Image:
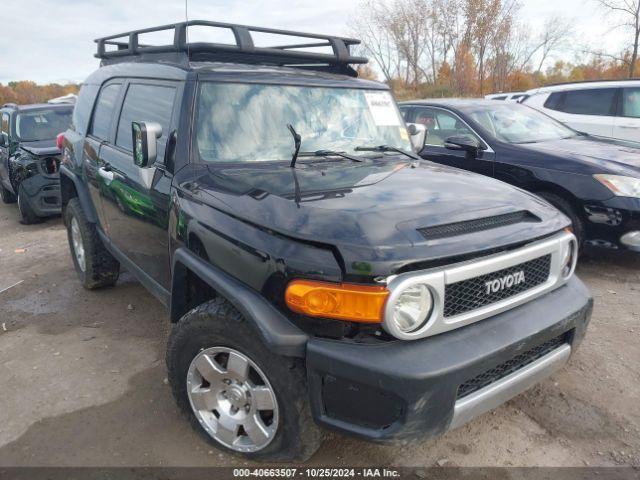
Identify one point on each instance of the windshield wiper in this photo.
(297, 141)
(387, 148)
(330, 153)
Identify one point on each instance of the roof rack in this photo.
(243, 50)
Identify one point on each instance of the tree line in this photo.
(441, 48)
(26, 91)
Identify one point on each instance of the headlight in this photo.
(412, 308)
(620, 185)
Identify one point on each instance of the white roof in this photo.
(583, 85)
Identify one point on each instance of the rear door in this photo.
(101, 130)
(627, 122)
(137, 201)
(442, 124)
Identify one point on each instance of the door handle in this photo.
(106, 174)
(629, 126)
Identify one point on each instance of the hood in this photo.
(601, 154)
(41, 147)
(376, 208)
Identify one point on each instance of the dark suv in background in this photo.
(317, 272)
(30, 159)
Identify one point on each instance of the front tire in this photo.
(94, 265)
(27, 215)
(237, 393)
(565, 207)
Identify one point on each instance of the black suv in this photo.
(317, 272)
(30, 159)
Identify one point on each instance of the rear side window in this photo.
(554, 101)
(5, 123)
(82, 109)
(597, 101)
(631, 102)
(146, 103)
(104, 111)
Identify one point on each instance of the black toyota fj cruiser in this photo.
(30, 159)
(316, 271)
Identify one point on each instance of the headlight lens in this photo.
(620, 185)
(412, 308)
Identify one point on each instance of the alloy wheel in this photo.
(232, 399)
(78, 246)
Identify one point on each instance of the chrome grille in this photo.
(469, 295)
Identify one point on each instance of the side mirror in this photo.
(145, 136)
(463, 142)
(417, 135)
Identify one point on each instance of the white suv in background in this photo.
(605, 108)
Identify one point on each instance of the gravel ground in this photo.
(83, 383)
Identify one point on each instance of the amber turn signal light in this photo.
(342, 301)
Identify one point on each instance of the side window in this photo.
(631, 102)
(596, 101)
(103, 113)
(146, 103)
(441, 125)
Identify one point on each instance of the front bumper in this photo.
(609, 222)
(43, 194)
(407, 389)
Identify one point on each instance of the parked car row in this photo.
(317, 272)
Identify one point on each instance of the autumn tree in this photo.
(627, 16)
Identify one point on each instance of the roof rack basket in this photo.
(125, 47)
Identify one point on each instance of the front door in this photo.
(137, 200)
(442, 124)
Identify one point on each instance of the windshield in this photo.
(46, 124)
(248, 122)
(515, 123)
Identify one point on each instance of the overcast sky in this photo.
(52, 40)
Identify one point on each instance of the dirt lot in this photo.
(82, 378)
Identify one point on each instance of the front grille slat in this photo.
(510, 366)
(471, 294)
(477, 225)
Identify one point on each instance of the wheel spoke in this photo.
(238, 366)
(209, 369)
(227, 429)
(203, 399)
(262, 398)
(256, 430)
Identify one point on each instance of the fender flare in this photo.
(276, 331)
(83, 193)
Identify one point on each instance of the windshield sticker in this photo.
(382, 109)
(404, 135)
